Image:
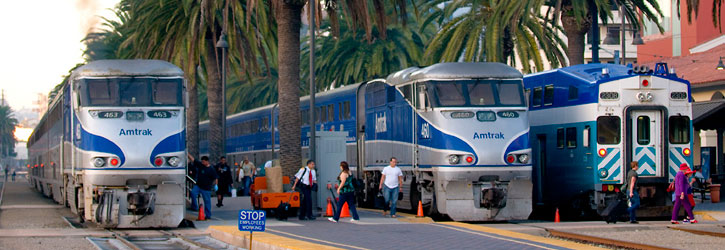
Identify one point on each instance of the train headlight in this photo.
(99, 162)
(173, 161)
(603, 173)
(158, 161)
(686, 152)
(453, 159)
(524, 158)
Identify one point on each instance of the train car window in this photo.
(609, 129)
(643, 127)
(407, 93)
(585, 136)
(481, 94)
(571, 137)
(265, 124)
(255, 126)
(509, 94)
(331, 112)
(536, 97)
(323, 113)
(560, 138)
(318, 117)
(573, 93)
(100, 92)
(305, 117)
(340, 112)
(450, 95)
(548, 94)
(347, 110)
(679, 129)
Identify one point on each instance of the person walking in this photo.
(390, 182)
(306, 176)
(14, 175)
(249, 172)
(346, 192)
(681, 187)
(225, 180)
(632, 193)
(206, 179)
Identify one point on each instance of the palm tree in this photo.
(575, 17)
(693, 6)
(496, 31)
(7, 131)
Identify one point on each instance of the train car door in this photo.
(539, 151)
(646, 143)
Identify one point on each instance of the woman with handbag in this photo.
(346, 192)
(681, 199)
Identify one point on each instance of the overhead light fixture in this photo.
(720, 65)
(637, 39)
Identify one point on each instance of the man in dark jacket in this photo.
(206, 179)
(225, 180)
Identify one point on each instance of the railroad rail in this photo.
(699, 232)
(123, 240)
(603, 241)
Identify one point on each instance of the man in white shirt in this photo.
(393, 179)
(307, 176)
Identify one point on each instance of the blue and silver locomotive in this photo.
(458, 130)
(112, 144)
(588, 122)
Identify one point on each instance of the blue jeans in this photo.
(635, 204)
(391, 197)
(350, 199)
(205, 195)
(246, 182)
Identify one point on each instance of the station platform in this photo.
(373, 231)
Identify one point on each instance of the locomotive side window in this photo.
(643, 130)
(509, 94)
(549, 94)
(100, 92)
(450, 95)
(609, 130)
(166, 92)
(679, 129)
(571, 137)
(560, 138)
(536, 97)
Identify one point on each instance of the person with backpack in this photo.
(681, 199)
(631, 191)
(346, 192)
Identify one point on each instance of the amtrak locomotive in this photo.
(458, 130)
(112, 144)
(588, 122)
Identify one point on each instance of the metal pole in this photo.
(595, 33)
(224, 102)
(313, 124)
(250, 239)
(624, 31)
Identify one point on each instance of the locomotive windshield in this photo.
(131, 92)
(476, 93)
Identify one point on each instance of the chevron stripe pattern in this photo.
(613, 165)
(646, 157)
(677, 158)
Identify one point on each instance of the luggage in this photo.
(614, 210)
(282, 211)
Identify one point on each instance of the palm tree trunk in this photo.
(288, 41)
(575, 33)
(214, 102)
(192, 119)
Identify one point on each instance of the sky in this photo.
(41, 41)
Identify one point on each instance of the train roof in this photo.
(456, 70)
(128, 67)
(592, 73)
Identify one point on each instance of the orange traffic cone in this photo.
(201, 213)
(329, 213)
(556, 216)
(345, 212)
(420, 209)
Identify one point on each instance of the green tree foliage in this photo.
(7, 131)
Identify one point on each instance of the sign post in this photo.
(252, 221)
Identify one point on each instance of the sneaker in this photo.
(393, 216)
(332, 220)
(693, 221)
(685, 221)
(354, 220)
(675, 222)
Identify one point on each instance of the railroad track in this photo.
(604, 241)
(156, 239)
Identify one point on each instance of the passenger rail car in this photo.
(588, 122)
(112, 144)
(458, 130)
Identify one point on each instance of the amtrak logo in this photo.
(144, 132)
(381, 123)
(489, 135)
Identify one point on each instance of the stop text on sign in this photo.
(252, 220)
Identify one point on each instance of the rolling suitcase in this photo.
(614, 210)
(282, 211)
